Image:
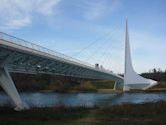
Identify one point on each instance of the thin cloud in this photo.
(16, 14)
(93, 10)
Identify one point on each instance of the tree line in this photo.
(156, 74)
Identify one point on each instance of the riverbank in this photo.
(49, 83)
(43, 82)
(127, 114)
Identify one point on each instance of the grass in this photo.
(142, 114)
(103, 84)
(86, 86)
(42, 116)
(92, 86)
(127, 114)
(160, 85)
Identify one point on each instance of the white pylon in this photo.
(131, 79)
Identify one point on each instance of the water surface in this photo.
(40, 99)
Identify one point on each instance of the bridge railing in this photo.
(21, 42)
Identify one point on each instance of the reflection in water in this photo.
(37, 99)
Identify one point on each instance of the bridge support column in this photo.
(118, 86)
(115, 86)
(7, 84)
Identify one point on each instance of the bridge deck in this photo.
(27, 57)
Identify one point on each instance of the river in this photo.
(43, 99)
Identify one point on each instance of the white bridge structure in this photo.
(131, 79)
(20, 56)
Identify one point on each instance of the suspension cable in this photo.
(98, 49)
(92, 43)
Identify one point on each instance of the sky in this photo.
(92, 30)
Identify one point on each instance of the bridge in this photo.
(20, 56)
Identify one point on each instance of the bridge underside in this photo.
(26, 63)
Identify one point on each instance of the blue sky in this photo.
(68, 26)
